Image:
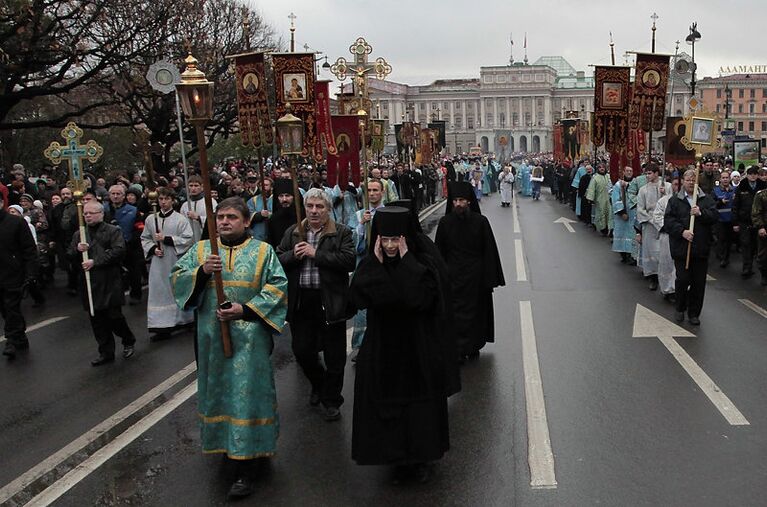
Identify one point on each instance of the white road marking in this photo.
(710, 278)
(520, 258)
(427, 214)
(39, 325)
(47, 465)
(71, 479)
(349, 335)
(539, 454)
(649, 324)
(566, 222)
(755, 307)
(515, 218)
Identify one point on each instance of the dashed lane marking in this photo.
(755, 307)
(519, 253)
(35, 327)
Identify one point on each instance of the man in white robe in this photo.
(167, 236)
(194, 207)
(666, 268)
(647, 199)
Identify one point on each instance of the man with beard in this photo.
(237, 401)
(261, 207)
(646, 200)
(285, 214)
(690, 280)
(465, 240)
(599, 196)
(624, 216)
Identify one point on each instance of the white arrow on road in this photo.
(649, 324)
(566, 222)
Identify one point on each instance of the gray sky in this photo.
(427, 40)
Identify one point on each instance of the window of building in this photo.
(718, 93)
(752, 93)
(540, 102)
(750, 126)
(458, 104)
(764, 107)
(489, 120)
(470, 106)
(717, 108)
(751, 107)
(741, 93)
(515, 119)
(458, 122)
(764, 126)
(501, 78)
(527, 78)
(740, 125)
(540, 78)
(740, 108)
(764, 143)
(470, 123)
(488, 79)
(764, 92)
(502, 119)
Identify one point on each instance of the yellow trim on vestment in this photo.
(260, 265)
(261, 314)
(274, 290)
(264, 421)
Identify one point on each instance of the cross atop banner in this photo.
(74, 152)
(360, 69)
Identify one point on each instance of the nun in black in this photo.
(401, 387)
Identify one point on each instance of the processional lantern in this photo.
(290, 130)
(196, 93)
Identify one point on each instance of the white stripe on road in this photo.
(710, 278)
(539, 454)
(46, 466)
(753, 306)
(515, 217)
(71, 479)
(39, 325)
(709, 388)
(520, 258)
(427, 214)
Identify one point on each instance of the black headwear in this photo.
(461, 189)
(408, 204)
(283, 186)
(392, 221)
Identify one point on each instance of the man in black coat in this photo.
(318, 267)
(18, 266)
(690, 282)
(741, 218)
(106, 248)
(467, 244)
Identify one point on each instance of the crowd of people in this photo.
(647, 212)
(314, 259)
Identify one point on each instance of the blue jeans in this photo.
(536, 189)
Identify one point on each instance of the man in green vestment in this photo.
(598, 193)
(237, 400)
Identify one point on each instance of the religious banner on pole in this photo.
(294, 84)
(648, 100)
(324, 126)
(405, 136)
(427, 146)
(571, 138)
(676, 153)
(559, 145)
(377, 133)
(611, 107)
(441, 130)
(584, 138)
(252, 105)
(347, 157)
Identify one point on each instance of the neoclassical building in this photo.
(518, 103)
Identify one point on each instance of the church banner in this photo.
(294, 83)
(559, 146)
(676, 153)
(611, 107)
(324, 127)
(347, 156)
(377, 135)
(648, 100)
(405, 136)
(571, 138)
(252, 106)
(584, 133)
(426, 151)
(440, 126)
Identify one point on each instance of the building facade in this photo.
(740, 99)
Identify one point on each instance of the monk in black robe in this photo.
(400, 389)
(467, 244)
(284, 214)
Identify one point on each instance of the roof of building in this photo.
(558, 63)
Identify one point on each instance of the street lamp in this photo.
(691, 39)
(196, 94)
(290, 135)
(727, 96)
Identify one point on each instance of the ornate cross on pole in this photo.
(292, 17)
(74, 153)
(654, 17)
(360, 69)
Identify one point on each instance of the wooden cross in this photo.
(74, 152)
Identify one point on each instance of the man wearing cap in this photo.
(742, 206)
(18, 266)
(400, 389)
(465, 240)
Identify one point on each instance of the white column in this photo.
(481, 109)
(547, 111)
(533, 107)
(495, 112)
(452, 113)
(508, 112)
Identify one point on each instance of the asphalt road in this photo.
(626, 423)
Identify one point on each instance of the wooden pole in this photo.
(692, 217)
(210, 221)
(83, 239)
(365, 201)
(296, 194)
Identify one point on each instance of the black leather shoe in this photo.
(241, 488)
(332, 414)
(314, 399)
(9, 351)
(128, 351)
(102, 360)
(695, 321)
(679, 316)
(159, 337)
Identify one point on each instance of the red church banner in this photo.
(347, 157)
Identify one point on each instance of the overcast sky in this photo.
(427, 40)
